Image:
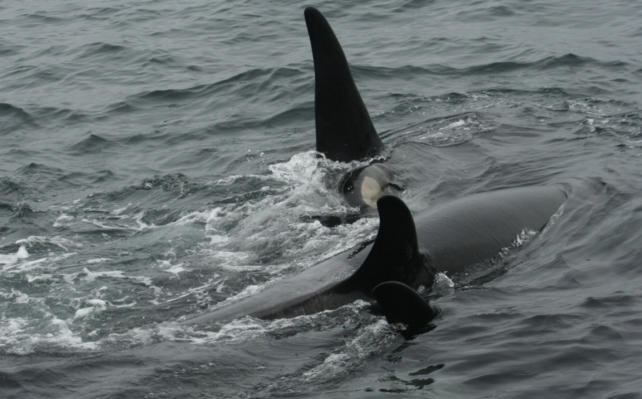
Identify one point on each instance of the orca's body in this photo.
(476, 228)
(447, 239)
(403, 257)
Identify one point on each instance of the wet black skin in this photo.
(446, 239)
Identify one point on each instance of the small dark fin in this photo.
(344, 130)
(394, 255)
(401, 304)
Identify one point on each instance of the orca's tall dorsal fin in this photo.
(344, 130)
(395, 253)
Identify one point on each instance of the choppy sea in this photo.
(156, 160)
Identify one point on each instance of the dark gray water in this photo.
(155, 160)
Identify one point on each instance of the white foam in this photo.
(442, 282)
(41, 277)
(524, 237)
(11, 327)
(17, 338)
(138, 218)
(301, 168)
(233, 178)
(247, 291)
(111, 227)
(370, 341)
(218, 239)
(35, 264)
(459, 123)
(42, 240)
(176, 269)
(240, 329)
(60, 220)
(332, 365)
(96, 306)
(96, 302)
(228, 259)
(84, 312)
(14, 258)
(120, 210)
(91, 276)
(97, 260)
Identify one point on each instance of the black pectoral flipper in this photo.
(395, 254)
(344, 130)
(401, 304)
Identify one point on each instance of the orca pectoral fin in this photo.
(401, 304)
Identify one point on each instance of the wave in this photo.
(498, 67)
(245, 83)
(13, 118)
(92, 144)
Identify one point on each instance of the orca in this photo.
(343, 278)
(408, 251)
(344, 130)
(406, 254)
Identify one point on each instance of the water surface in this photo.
(156, 161)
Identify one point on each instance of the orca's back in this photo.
(476, 228)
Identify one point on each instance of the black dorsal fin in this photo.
(344, 130)
(395, 254)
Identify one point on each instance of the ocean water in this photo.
(156, 161)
